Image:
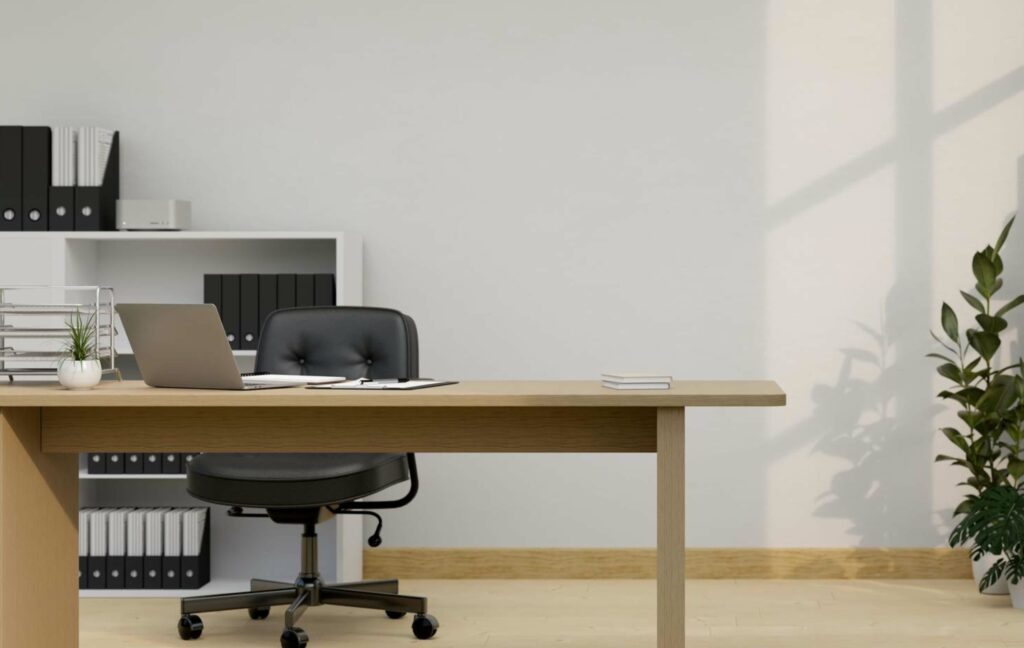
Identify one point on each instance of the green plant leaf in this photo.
(958, 439)
(1010, 305)
(1006, 232)
(973, 301)
(949, 371)
(1015, 467)
(985, 343)
(990, 323)
(949, 322)
(985, 273)
(939, 356)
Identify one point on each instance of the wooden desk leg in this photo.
(38, 537)
(671, 524)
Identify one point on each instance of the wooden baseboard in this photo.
(641, 563)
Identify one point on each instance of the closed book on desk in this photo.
(135, 549)
(172, 549)
(35, 178)
(83, 548)
(10, 178)
(153, 563)
(249, 311)
(115, 463)
(195, 548)
(97, 578)
(116, 548)
(230, 287)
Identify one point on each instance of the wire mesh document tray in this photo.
(33, 327)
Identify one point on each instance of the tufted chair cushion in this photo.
(353, 342)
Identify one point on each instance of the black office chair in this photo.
(309, 488)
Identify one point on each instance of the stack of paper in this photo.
(63, 159)
(193, 525)
(93, 150)
(636, 381)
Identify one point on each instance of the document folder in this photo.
(172, 550)
(35, 173)
(96, 207)
(135, 549)
(97, 577)
(10, 178)
(195, 558)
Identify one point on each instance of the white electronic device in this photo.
(154, 215)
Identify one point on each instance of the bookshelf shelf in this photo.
(83, 474)
(215, 586)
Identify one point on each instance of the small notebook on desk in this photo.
(288, 379)
(385, 384)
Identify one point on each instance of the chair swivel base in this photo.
(304, 593)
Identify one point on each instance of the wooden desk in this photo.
(42, 428)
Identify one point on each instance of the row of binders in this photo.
(143, 548)
(138, 463)
(245, 301)
(58, 179)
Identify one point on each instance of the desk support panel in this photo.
(38, 537)
(349, 429)
(671, 527)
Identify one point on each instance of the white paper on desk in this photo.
(288, 379)
(373, 385)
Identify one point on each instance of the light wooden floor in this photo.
(607, 614)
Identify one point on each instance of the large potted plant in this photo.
(988, 397)
(995, 525)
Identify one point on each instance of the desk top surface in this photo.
(532, 393)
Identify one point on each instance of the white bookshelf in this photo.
(168, 267)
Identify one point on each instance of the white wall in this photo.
(715, 189)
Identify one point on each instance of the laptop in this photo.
(183, 345)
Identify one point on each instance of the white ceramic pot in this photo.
(1000, 588)
(1017, 594)
(80, 374)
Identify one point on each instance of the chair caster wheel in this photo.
(190, 626)
(424, 626)
(294, 638)
(394, 615)
(259, 613)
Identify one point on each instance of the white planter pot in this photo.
(1000, 588)
(84, 374)
(1017, 594)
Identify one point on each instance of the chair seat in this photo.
(292, 480)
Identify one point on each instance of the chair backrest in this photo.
(349, 341)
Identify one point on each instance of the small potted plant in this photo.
(995, 524)
(80, 368)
